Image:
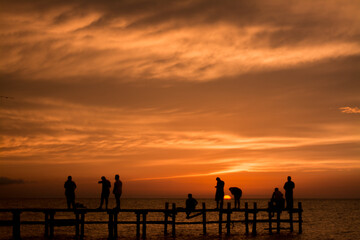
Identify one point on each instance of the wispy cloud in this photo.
(268, 165)
(350, 109)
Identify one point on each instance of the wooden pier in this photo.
(251, 217)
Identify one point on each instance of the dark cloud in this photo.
(9, 181)
(103, 39)
(299, 21)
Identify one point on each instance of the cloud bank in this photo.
(187, 41)
(167, 90)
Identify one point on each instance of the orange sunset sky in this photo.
(172, 94)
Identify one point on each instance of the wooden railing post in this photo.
(173, 232)
(270, 216)
(300, 216)
(204, 218)
(144, 225)
(228, 218)
(16, 224)
(246, 218)
(254, 219)
(166, 217)
(137, 224)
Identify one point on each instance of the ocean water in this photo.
(323, 219)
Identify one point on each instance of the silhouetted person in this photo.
(237, 195)
(278, 199)
(105, 192)
(117, 191)
(289, 186)
(70, 187)
(219, 195)
(190, 205)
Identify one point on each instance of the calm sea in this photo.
(323, 219)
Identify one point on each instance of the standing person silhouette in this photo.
(219, 195)
(105, 192)
(70, 187)
(289, 186)
(237, 195)
(117, 191)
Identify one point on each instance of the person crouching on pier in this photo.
(237, 195)
(190, 205)
(277, 199)
(105, 192)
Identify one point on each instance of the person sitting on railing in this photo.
(190, 205)
(277, 199)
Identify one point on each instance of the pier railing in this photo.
(251, 218)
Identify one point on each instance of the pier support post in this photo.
(46, 223)
(278, 213)
(16, 224)
(52, 213)
(204, 218)
(291, 220)
(82, 225)
(77, 225)
(137, 224)
(246, 218)
(228, 218)
(116, 224)
(166, 217)
(144, 225)
(270, 216)
(300, 216)
(111, 225)
(220, 219)
(173, 232)
(254, 219)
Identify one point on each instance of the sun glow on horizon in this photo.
(227, 197)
